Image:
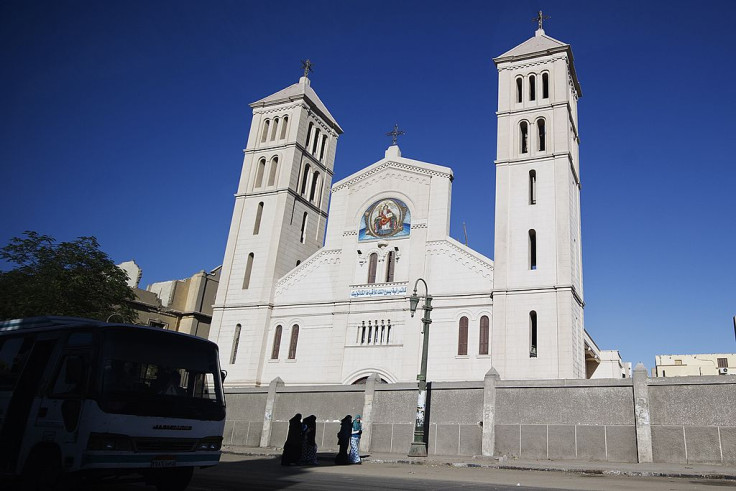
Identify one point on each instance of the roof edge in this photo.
(567, 49)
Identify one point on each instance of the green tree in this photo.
(66, 278)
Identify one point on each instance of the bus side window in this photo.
(13, 355)
(70, 378)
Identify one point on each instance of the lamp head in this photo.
(413, 302)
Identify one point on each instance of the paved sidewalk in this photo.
(691, 471)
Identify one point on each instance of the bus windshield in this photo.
(146, 375)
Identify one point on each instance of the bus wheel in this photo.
(175, 479)
(43, 470)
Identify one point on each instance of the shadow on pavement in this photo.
(257, 473)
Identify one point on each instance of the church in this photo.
(318, 301)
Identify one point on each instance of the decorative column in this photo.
(642, 415)
(367, 415)
(268, 413)
(490, 381)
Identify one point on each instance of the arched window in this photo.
(260, 170)
(532, 187)
(259, 213)
(390, 260)
(309, 135)
(532, 87)
(236, 341)
(524, 136)
(313, 187)
(318, 193)
(532, 249)
(305, 179)
(276, 343)
(484, 335)
(322, 148)
(273, 172)
(275, 128)
(519, 91)
(284, 124)
(462, 337)
(266, 125)
(541, 133)
(316, 141)
(545, 85)
(304, 228)
(372, 265)
(294, 341)
(248, 270)
(532, 334)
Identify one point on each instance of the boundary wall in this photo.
(668, 420)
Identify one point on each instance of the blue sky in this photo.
(127, 120)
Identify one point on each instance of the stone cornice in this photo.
(543, 289)
(324, 126)
(534, 60)
(390, 164)
(508, 64)
(531, 109)
(551, 156)
(296, 195)
(266, 110)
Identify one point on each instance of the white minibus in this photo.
(83, 399)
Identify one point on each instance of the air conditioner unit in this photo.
(723, 371)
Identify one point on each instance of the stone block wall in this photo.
(676, 420)
(566, 419)
(693, 419)
(394, 412)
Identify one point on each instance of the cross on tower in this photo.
(395, 133)
(307, 67)
(539, 19)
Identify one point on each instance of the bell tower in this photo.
(278, 221)
(538, 285)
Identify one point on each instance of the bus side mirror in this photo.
(223, 374)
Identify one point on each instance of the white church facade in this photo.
(318, 302)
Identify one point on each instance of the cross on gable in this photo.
(539, 19)
(395, 133)
(307, 67)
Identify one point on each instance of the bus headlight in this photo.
(210, 443)
(109, 442)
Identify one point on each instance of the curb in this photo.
(542, 468)
(519, 467)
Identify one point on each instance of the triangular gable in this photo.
(300, 90)
(393, 162)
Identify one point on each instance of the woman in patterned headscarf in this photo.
(354, 456)
(309, 445)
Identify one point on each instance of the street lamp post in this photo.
(419, 446)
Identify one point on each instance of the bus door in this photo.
(29, 365)
(59, 412)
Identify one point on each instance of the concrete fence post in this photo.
(268, 413)
(489, 412)
(367, 416)
(642, 415)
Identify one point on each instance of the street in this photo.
(238, 472)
